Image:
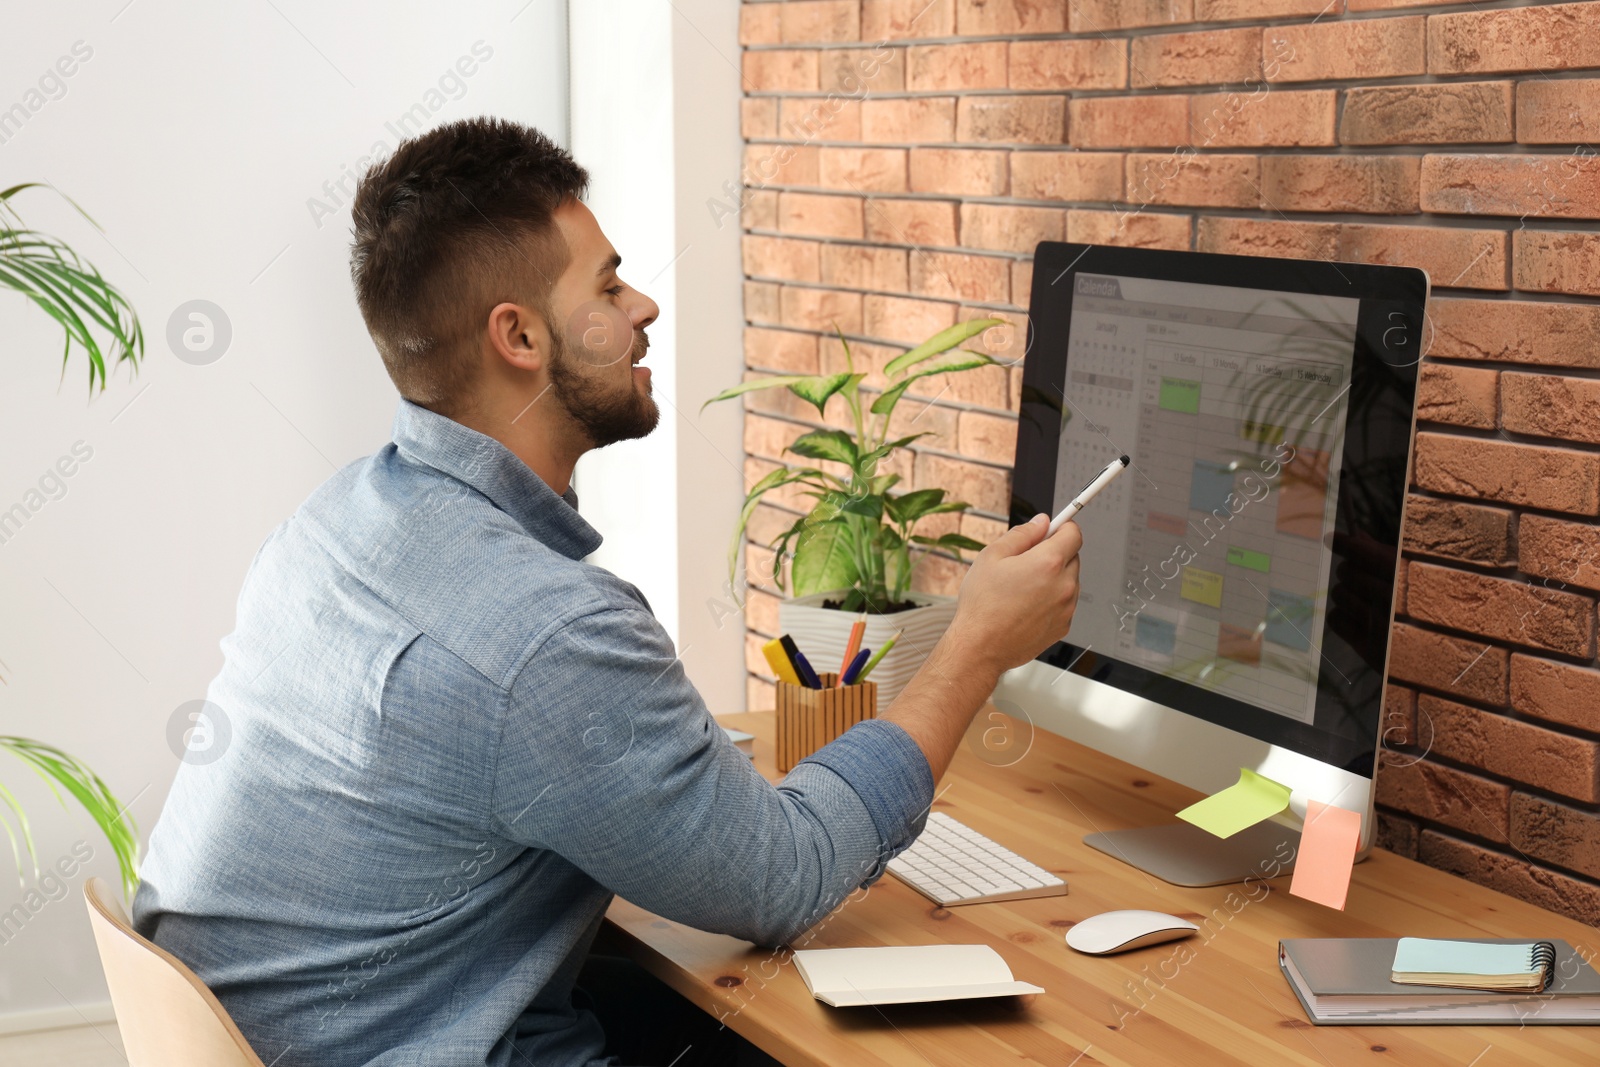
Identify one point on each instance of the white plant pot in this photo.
(822, 633)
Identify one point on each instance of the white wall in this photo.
(655, 118)
(197, 134)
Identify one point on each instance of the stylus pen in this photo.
(1079, 502)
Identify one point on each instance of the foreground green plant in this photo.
(859, 536)
(71, 291)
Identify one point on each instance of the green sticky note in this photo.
(1179, 394)
(1248, 801)
(1244, 557)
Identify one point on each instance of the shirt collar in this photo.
(490, 467)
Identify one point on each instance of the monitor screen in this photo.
(1218, 567)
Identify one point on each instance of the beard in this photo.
(605, 410)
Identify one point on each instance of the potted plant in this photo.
(854, 552)
(72, 292)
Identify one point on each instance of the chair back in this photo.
(167, 1016)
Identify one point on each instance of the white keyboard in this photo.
(951, 863)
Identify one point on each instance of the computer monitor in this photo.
(1237, 583)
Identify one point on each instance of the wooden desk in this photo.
(1227, 1004)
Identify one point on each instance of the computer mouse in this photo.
(1119, 931)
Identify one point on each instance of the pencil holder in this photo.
(807, 719)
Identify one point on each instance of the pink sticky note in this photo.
(1327, 853)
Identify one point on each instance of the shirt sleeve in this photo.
(610, 758)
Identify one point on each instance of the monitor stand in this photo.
(1186, 855)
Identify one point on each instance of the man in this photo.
(452, 739)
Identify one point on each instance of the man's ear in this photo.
(519, 336)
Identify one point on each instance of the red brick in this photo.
(1554, 479)
(1128, 121)
(1454, 530)
(857, 72)
(1443, 795)
(985, 488)
(1002, 228)
(1012, 119)
(760, 24)
(1399, 721)
(896, 20)
(1271, 118)
(1461, 396)
(1542, 38)
(821, 309)
(807, 21)
(1230, 10)
(819, 118)
(783, 351)
(1558, 111)
(1454, 112)
(1534, 186)
(1556, 833)
(761, 609)
(820, 216)
(1545, 405)
(780, 70)
(1400, 572)
(909, 119)
(863, 357)
(1006, 343)
(1021, 282)
(863, 267)
(1470, 669)
(1552, 261)
(1098, 16)
(1133, 229)
(958, 171)
(781, 257)
(1510, 748)
(1390, 5)
(986, 18)
(1567, 552)
(1087, 63)
(989, 438)
(758, 117)
(942, 67)
(1203, 57)
(1558, 692)
(1397, 835)
(1501, 609)
(780, 164)
(1363, 48)
(1066, 175)
(1452, 257)
(761, 302)
(1192, 179)
(905, 321)
(954, 275)
(1513, 876)
(760, 211)
(864, 170)
(769, 437)
(1510, 331)
(911, 222)
(1366, 184)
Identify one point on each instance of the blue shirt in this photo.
(446, 741)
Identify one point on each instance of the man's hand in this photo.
(1019, 596)
(1015, 602)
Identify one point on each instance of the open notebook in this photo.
(847, 977)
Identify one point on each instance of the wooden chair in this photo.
(167, 1015)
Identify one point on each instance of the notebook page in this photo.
(847, 970)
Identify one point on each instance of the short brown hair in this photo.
(453, 223)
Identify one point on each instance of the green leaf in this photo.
(948, 364)
(827, 444)
(866, 505)
(57, 768)
(883, 450)
(771, 381)
(823, 558)
(912, 506)
(950, 542)
(781, 476)
(817, 390)
(942, 341)
(881, 483)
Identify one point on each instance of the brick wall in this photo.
(903, 158)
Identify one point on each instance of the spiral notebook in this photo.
(1512, 966)
(1349, 981)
